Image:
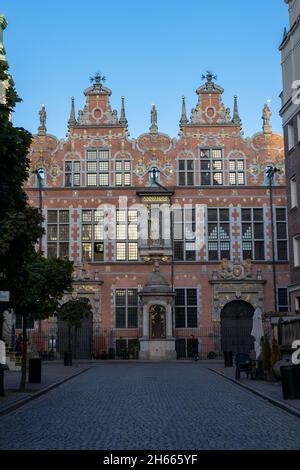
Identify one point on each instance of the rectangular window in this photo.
(236, 172)
(19, 323)
(92, 235)
(122, 173)
(291, 136)
(253, 230)
(186, 308)
(281, 234)
(293, 189)
(186, 172)
(126, 301)
(58, 234)
(97, 167)
(211, 167)
(127, 235)
(298, 127)
(72, 173)
(184, 228)
(296, 251)
(282, 299)
(218, 229)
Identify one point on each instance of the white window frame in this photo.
(296, 251)
(294, 192)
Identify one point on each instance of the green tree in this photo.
(36, 293)
(73, 313)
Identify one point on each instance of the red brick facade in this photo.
(201, 168)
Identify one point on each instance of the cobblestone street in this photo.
(149, 406)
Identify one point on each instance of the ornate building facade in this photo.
(170, 237)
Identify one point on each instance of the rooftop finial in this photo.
(153, 127)
(209, 76)
(123, 121)
(97, 79)
(72, 121)
(184, 119)
(43, 116)
(236, 117)
(266, 117)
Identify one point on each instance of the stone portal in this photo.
(157, 342)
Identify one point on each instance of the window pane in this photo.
(190, 165)
(52, 216)
(179, 317)
(64, 232)
(132, 251)
(68, 167)
(87, 216)
(224, 215)
(179, 297)
(282, 251)
(127, 179)
(232, 165)
(218, 179)
(52, 250)
(63, 216)
(121, 251)
(92, 167)
(64, 250)
(204, 153)
(217, 153)
(118, 166)
(281, 230)
(68, 180)
(98, 252)
(258, 214)
(181, 180)
(120, 297)
(190, 179)
(52, 233)
(280, 214)
(92, 180)
(87, 252)
(246, 214)
(103, 179)
(259, 250)
(191, 296)
(76, 180)
(132, 317)
(120, 317)
(232, 178)
(259, 231)
(87, 232)
(92, 154)
(212, 215)
(192, 317)
(178, 251)
(103, 154)
(205, 179)
(76, 167)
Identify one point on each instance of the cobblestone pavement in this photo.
(167, 406)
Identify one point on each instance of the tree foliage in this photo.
(74, 311)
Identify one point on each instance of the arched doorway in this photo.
(157, 315)
(236, 327)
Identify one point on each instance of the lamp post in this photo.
(40, 172)
(270, 172)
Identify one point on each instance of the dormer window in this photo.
(97, 167)
(211, 167)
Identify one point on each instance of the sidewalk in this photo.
(52, 376)
(271, 391)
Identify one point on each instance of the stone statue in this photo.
(267, 129)
(153, 127)
(43, 117)
(227, 116)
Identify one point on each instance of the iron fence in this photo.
(99, 343)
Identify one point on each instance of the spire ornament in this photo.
(72, 121)
(43, 117)
(266, 117)
(236, 117)
(184, 120)
(123, 121)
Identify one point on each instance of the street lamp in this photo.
(40, 172)
(270, 173)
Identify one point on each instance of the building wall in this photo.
(290, 112)
(211, 126)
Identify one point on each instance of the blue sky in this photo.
(151, 51)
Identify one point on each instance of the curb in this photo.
(43, 391)
(273, 401)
